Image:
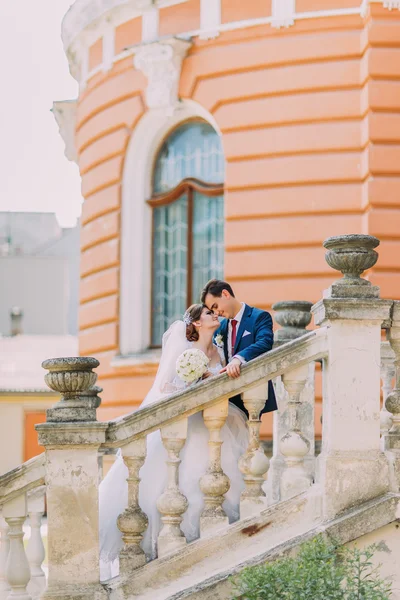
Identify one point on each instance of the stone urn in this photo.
(293, 316)
(74, 379)
(352, 255)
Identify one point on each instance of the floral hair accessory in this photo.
(187, 319)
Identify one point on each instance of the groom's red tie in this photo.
(233, 323)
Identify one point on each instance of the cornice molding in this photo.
(87, 15)
(88, 20)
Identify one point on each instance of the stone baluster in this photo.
(133, 521)
(351, 459)
(254, 464)
(214, 483)
(35, 548)
(172, 503)
(391, 440)
(4, 550)
(387, 373)
(72, 437)
(293, 317)
(17, 571)
(294, 446)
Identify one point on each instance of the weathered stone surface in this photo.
(357, 309)
(293, 316)
(74, 379)
(352, 255)
(71, 434)
(282, 426)
(216, 554)
(26, 477)
(351, 467)
(268, 366)
(203, 569)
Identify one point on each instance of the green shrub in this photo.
(321, 570)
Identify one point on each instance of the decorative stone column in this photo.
(214, 483)
(254, 463)
(71, 437)
(387, 373)
(351, 467)
(294, 317)
(172, 503)
(391, 440)
(17, 570)
(133, 521)
(35, 548)
(294, 446)
(4, 550)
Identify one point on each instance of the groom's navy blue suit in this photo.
(254, 337)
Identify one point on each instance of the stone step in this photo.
(203, 569)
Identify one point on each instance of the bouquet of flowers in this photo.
(191, 365)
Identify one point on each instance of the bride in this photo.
(195, 331)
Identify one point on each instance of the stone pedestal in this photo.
(71, 437)
(351, 468)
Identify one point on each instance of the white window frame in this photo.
(136, 222)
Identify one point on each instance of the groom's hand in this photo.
(232, 369)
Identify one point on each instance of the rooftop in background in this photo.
(27, 232)
(39, 271)
(21, 357)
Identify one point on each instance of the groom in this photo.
(246, 333)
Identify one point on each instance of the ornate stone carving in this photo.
(392, 403)
(254, 464)
(161, 63)
(387, 373)
(35, 549)
(17, 570)
(294, 446)
(352, 255)
(214, 483)
(133, 521)
(172, 503)
(74, 379)
(293, 316)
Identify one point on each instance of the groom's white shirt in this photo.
(237, 318)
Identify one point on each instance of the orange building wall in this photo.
(31, 446)
(310, 130)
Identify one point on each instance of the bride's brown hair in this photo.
(192, 314)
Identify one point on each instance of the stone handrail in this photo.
(29, 475)
(296, 353)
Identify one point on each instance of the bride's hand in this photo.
(207, 374)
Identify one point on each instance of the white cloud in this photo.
(36, 176)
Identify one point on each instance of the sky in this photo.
(35, 174)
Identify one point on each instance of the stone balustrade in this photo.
(21, 572)
(348, 343)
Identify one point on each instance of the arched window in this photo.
(188, 221)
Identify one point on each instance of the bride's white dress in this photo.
(153, 475)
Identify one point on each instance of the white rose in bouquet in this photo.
(191, 365)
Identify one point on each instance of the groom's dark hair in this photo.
(215, 288)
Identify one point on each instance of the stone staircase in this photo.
(350, 490)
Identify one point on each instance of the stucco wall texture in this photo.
(310, 123)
